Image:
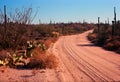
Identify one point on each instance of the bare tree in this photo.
(24, 16)
(16, 28)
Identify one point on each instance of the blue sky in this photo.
(67, 10)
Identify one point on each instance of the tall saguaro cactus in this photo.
(115, 15)
(5, 23)
(114, 22)
(98, 24)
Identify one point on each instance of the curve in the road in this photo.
(82, 61)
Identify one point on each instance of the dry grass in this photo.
(51, 61)
(42, 60)
(54, 40)
(49, 41)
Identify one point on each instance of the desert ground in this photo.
(79, 61)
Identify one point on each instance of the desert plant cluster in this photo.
(107, 35)
(25, 45)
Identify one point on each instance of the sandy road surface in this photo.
(80, 61)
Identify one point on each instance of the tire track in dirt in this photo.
(97, 54)
(103, 68)
(68, 72)
(95, 50)
(70, 64)
(68, 53)
(82, 63)
(91, 69)
(93, 53)
(112, 63)
(85, 66)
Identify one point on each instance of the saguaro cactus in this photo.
(98, 24)
(115, 15)
(114, 22)
(5, 22)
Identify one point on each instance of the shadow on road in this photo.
(86, 45)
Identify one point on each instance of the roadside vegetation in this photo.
(25, 45)
(106, 37)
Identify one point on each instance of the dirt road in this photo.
(82, 61)
(79, 61)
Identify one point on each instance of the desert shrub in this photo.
(45, 30)
(49, 41)
(35, 63)
(41, 60)
(51, 61)
(112, 44)
(118, 50)
(116, 43)
(101, 39)
(92, 36)
(55, 34)
(109, 46)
